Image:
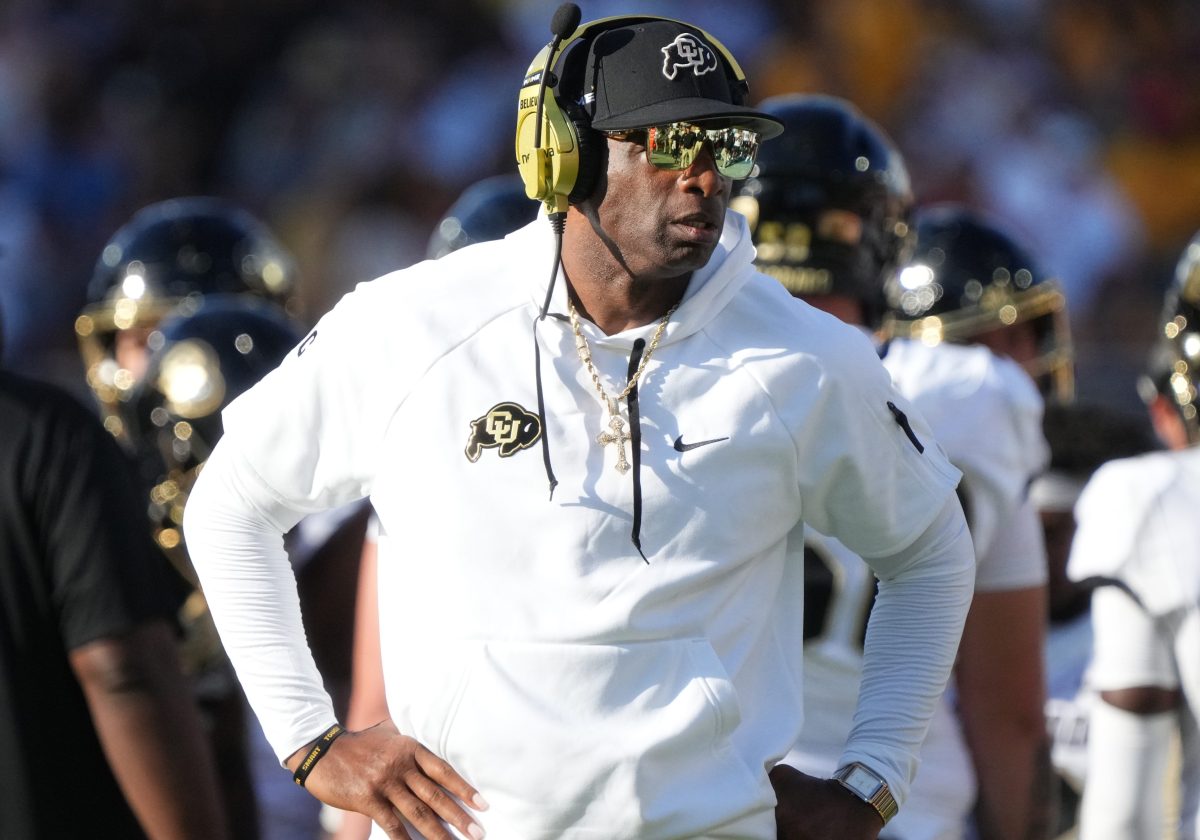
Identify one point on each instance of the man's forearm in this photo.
(1015, 791)
(1001, 698)
(151, 733)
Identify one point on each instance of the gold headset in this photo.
(562, 169)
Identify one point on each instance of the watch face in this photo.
(864, 782)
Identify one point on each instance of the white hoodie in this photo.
(586, 692)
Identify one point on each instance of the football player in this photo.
(829, 205)
(1137, 533)
(1082, 438)
(203, 357)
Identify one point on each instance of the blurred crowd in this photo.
(350, 128)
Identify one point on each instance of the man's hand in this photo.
(383, 774)
(819, 809)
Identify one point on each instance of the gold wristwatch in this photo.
(870, 787)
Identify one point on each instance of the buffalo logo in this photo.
(507, 426)
(688, 51)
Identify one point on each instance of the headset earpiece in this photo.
(590, 157)
(564, 167)
(548, 170)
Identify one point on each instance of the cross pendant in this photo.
(617, 435)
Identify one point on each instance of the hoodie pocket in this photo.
(620, 740)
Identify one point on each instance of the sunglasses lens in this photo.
(673, 146)
(735, 150)
(676, 145)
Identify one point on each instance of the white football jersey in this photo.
(1139, 522)
(987, 415)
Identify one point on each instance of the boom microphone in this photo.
(564, 22)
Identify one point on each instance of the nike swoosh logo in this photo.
(680, 446)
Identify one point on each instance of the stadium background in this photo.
(351, 126)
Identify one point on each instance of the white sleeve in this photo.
(234, 531)
(911, 643)
(1126, 773)
(312, 429)
(1129, 646)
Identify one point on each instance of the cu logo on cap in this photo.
(688, 51)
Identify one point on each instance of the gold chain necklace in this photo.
(616, 423)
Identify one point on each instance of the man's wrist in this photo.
(868, 786)
(315, 751)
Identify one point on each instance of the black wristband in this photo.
(319, 748)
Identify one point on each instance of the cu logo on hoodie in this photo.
(507, 427)
(688, 51)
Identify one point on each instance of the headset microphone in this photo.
(535, 160)
(565, 21)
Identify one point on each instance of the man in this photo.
(202, 360)
(620, 659)
(1137, 533)
(102, 735)
(830, 206)
(1082, 438)
(973, 281)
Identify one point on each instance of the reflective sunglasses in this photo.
(676, 146)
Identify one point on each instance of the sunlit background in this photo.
(350, 126)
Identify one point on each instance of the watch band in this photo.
(870, 787)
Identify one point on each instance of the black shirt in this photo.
(76, 564)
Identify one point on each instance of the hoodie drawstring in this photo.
(635, 444)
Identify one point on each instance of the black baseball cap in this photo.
(662, 71)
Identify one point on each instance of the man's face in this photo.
(132, 351)
(661, 223)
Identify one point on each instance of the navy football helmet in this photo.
(488, 209)
(970, 277)
(170, 254)
(201, 360)
(1174, 368)
(828, 201)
